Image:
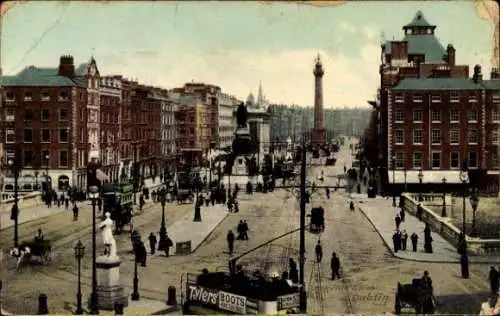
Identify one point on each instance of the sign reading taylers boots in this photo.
(207, 297)
(232, 302)
(288, 301)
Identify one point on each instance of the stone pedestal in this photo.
(240, 166)
(109, 288)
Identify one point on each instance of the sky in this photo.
(236, 45)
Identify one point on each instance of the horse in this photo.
(21, 253)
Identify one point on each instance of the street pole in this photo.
(463, 206)
(135, 293)
(79, 310)
(134, 175)
(94, 307)
(302, 259)
(16, 205)
(394, 181)
(163, 228)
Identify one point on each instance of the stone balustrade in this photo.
(444, 227)
(29, 200)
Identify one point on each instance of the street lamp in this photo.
(463, 177)
(47, 159)
(443, 211)
(163, 228)
(393, 181)
(15, 208)
(79, 253)
(420, 178)
(94, 304)
(474, 201)
(135, 293)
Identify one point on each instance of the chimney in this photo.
(495, 74)
(450, 54)
(478, 76)
(66, 66)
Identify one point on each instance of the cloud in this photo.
(369, 32)
(348, 27)
(286, 77)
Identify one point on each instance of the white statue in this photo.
(109, 241)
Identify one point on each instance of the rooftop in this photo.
(418, 21)
(445, 84)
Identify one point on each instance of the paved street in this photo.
(370, 273)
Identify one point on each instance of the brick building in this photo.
(170, 106)
(44, 121)
(110, 114)
(127, 148)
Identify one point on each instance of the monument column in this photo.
(318, 138)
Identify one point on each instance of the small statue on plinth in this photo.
(106, 227)
(241, 116)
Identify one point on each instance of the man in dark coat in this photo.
(404, 239)
(319, 252)
(402, 214)
(230, 241)
(494, 278)
(414, 241)
(169, 244)
(152, 243)
(396, 241)
(75, 213)
(142, 254)
(335, 266)
(294, 272)
(397, 220)
(245, 230)
(239, 230)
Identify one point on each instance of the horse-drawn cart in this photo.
(317, 222)
(416, 295)
(37, 248)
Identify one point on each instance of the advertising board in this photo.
(207, 297)
(232, 302)
(288, 301)
(252, 306)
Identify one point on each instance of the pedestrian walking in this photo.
(414, 241)
(402, 215)
(169, 244)
(396, 241)
(239, 230)
(75, 213)
(351, 206)
(152, 242)
(245, 230)
(335, 266)
(494, 278)
(230, 241)
(327, 193)
(319, 251)
(397, 220)
(404, 239)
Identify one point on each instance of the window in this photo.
(436, 98)
(63, 114)
(63, 158)
(45, 135)
(455, 160)
(28, 157)
(472, 115)
(63, 135)
(10, 115)
(495, 132)
(399, 160)
(399, 136)
(45, 96)
(472, 99)
(436, 115)
(454, 97)
(454, 135)
(454, 115)
(495, 115)
(436, 160)
(417, 136)
(472, 136)
(494, 159)
(399, 98)
(399, 116)
(28, 135)
(28, 114)
(417, 98)
(472, 159)
(436, 136)
(417, 160)
(10, 136)
(495, 98)
(417, 115)
(45, 114)
(63, 96)
(28, 96)
(9, 96)
(45, 153)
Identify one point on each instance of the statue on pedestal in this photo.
(241, 116)
(106, 227)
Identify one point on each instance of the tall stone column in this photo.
(318, 138)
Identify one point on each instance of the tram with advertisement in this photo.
(221, 293)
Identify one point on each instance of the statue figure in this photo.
(106, 227)
(241, 116)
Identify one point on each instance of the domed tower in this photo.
(318, 137)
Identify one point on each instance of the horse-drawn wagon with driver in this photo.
(25, 252)
(317, 221)
(417, 295)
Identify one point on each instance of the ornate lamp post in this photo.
(163, 228)
(79, 253)
(135, 293)
(420, 178)
(94, 303)
(443, 211)
(15, 208)
(393, 159)
(474, 201)
(463, 177)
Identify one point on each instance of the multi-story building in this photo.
(128, 148)
(226, 126)
(445, 124)
(45, 123)
(110, 114)
(169, 133)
